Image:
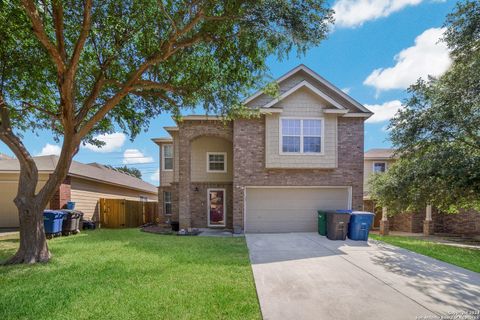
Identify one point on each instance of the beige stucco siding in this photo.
(86, 195)
(8, 192)
(199, 149)
(368, 171)
(302, 104)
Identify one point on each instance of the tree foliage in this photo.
(438, 133)
(128, 170)
(81, 67)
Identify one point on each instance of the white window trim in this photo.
(165, 204)
(224, 162)
(224, 207)
(375, 162)
(163, 158)
(322, 137)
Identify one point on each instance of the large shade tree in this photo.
(438, 132)
(85, 67)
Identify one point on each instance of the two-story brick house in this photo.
(268, 174)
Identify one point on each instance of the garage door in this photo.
(290, 209)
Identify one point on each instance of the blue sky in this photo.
(375, 50)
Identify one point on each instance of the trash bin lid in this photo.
(363, 213)
(344, 211)
(54, 214)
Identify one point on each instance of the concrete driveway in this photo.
(306, 276)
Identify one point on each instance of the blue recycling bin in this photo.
(360, 223)
(52, 222)
(70, 205)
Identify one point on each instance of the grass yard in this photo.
(128, 274)
(462, 257)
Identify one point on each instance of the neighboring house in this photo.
(5, 157)
(268, 174)
(428, 221)
(375, 161)
(84, 185)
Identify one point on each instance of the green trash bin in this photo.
(322, 223)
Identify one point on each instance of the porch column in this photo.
(384, 225)
(184, 214)
(428, 227)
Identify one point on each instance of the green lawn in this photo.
(128, 274)
(462, 257)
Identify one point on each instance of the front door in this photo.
(216, 208)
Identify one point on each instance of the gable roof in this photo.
(95, 172)
(334, 95)
(311, 88)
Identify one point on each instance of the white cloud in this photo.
(383, 112)
(50, 149)
(113, 142)
(427, 57)
(133, 156)
(155, 177)
(353, 13)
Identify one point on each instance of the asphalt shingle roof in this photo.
(47, 164)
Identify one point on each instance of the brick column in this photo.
(384, 224)
(184, 215)
(238, 206)
(62, 195)
(428, 226)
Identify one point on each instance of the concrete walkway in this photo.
(306, 276)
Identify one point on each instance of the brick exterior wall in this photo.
(62, 195)
(188, 214)
(249, 163)
(173, 188)
(407, 222)
(199, 203)
(465, 222)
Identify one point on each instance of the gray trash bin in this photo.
(337, 224)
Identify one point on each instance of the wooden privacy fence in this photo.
(121, 213)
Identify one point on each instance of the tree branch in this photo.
(57, 9)
(148, 85)
(14, 143)
(39, 31)
(48, 112)
(172, 22)
(167, 50)
(158, 94)
(86, 25)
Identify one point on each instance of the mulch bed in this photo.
(158, 229)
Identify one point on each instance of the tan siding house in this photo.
(85, 185)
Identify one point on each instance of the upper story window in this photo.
(301, 135)
(379, 167)
(167, 155)
(216, 162)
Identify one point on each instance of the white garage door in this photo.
(290, 209)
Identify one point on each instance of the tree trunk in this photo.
(33, 244)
